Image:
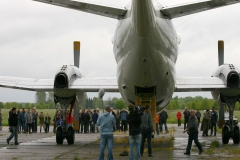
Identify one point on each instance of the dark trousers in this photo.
(82, 126)
(29, 127)
(179, 122)
(33, 126)
(213, 125)
(157, 128)
(14, 134)
(165, 125)
(36, 125)
(146, 134)
(185, 122)
(118, 125)
(124, 126)
(198, 120)
(86, 126)
(193, 137)
(46, 127)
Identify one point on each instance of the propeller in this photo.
(76, 48)
(220, 52)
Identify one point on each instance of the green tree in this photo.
(120, 104)
(1, 105)
(40, 97)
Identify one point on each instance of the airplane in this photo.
(145, 46)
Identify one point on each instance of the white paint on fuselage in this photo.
(158, 45)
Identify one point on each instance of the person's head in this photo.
(47, 113)
(107, 109)
(192, 113)
(14, 110)
(147, 108)
(186, 108)
(213, 108)
(207, 110)
(130, 107)
(94, 111)
(123, 109)
(28, 110)
(117, 110)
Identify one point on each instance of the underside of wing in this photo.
(103, 10)
(187, 84)
(94, 84)
(194, 7)
(27, 83)
(83, 84)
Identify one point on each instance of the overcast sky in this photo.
(37, 38)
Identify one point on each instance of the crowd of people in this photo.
(139, 126)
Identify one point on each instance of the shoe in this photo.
(16, 143)
(187, 153)
(200, 152)
(150, 155)
(7, 141)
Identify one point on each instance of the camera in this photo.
(138, 110)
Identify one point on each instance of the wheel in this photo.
(70, 136)
(225, 135)
(236, 135)
(59, 138)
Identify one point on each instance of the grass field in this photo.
(171, 115)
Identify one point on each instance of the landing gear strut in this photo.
(230, 130)
(63, 131)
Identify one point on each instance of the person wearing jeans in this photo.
(106, 121)
(134, 121)
(146, 130)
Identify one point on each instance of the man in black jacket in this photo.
(13, 122)
(214, 120)
(134, 121)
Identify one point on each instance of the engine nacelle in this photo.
(65, 76)
(229, 74)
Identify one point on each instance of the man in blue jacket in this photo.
(106, 121)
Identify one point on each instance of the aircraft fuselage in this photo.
(146, 48)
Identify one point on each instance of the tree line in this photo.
(45, 100)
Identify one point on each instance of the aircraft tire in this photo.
(70, 136)
(236, 135)
(225, 135)
(59, 138)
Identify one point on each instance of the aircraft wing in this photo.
(103, 10)
(84, 84)
(194, 7)
(189, 84)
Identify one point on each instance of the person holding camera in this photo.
(13, 122)
(134, 121)
(147, 130)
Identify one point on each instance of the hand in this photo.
(152, 134)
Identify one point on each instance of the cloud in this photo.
(36, 39)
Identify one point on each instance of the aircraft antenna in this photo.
(76, 48)
(220, 52)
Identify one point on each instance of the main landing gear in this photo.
(63, 131)
(230, 129)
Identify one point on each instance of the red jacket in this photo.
(69, 120)
(179, 115)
